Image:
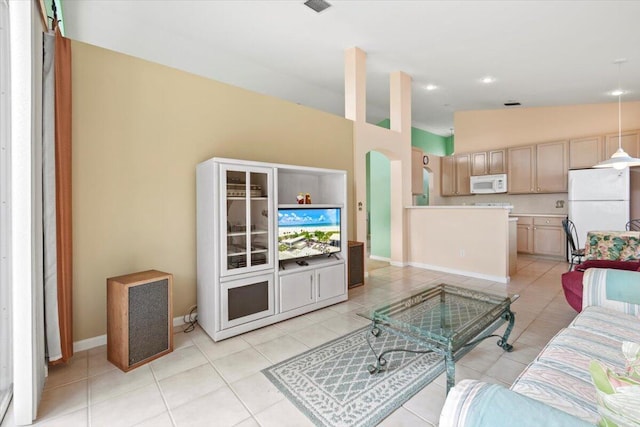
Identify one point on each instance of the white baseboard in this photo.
(379, 258)
(94, 342)
(499, 279)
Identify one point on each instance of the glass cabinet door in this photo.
(246, 227)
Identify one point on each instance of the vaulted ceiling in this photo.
(539, 53)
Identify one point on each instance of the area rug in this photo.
(332, 386)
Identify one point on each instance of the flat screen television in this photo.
(305, 232)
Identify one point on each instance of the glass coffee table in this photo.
(444, 319)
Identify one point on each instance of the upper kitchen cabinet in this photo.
(417, 171)
(455, 172)
(497, 161)
(552, 162)
(521, 169)
(540, 168)
(586, 152)
(479, 164)
(488, 162)
(630, 142)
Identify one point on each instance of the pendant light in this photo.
(620, 159)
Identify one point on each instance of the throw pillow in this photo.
(631, 352)
(617, 396)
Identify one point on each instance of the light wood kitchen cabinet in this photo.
(454, 175)
(548, 236)
(586, 152)
(417, 168)
(497, 162)
(552, 162)
(540, 168)
(541, 235)
(488, 162)
(447, 176)
(630, 143)
(521, 169)
(525, 234)
(479, 164)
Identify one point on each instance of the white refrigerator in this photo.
(598, 200)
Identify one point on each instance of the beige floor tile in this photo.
(189, 385)
(241, 364)
(249, 422)
(161, 420)
(315, 335)
(63, 400)
(281, 348)
(506, 370)
(343, 324)
(293, 324)
(345, 307)
(215, 350)
(283, 414)
(257, 392)
(427, 403)
(76, 369)
(262, 335)
(78, 418)
(113, 383)
(177, 361)
(402, 417)
(128, 409)
(220, 408)
(98, 363)
(182, 340)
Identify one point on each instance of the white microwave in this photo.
(484, 184)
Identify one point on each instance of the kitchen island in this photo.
(467, 240)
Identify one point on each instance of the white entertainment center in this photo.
(247, 278)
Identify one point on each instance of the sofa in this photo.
(556, 389)
(572, 280)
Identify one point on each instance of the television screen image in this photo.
(308, 232)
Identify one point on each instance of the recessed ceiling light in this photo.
(488, 80)
(618, 92)
(431, 87)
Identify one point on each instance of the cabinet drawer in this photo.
(546, 220)
(525, 220)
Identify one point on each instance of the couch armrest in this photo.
(476, 404)
(604, 263)
(613, 289)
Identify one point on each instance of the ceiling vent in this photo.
(512, 104)
(317, 5)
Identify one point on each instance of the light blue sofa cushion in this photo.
(482, 405)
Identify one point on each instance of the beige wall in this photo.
(463, 240)
(481, 130)
(139, 129)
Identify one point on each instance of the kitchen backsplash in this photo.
(522, 203)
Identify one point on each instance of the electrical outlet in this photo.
(461, 253)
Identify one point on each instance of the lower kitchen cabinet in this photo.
(541, 235)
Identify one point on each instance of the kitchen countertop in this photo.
(458, 207)
(538, 214)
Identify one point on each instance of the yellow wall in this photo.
(139, 129)
(486, 129)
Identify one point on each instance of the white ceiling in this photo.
(542, 53)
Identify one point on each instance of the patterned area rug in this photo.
(332, 386)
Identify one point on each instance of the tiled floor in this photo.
(204, 383)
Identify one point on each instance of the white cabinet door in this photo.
(296, 290)
(330, 282)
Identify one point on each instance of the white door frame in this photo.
(25, 209)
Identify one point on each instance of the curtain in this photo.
(57, 197)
